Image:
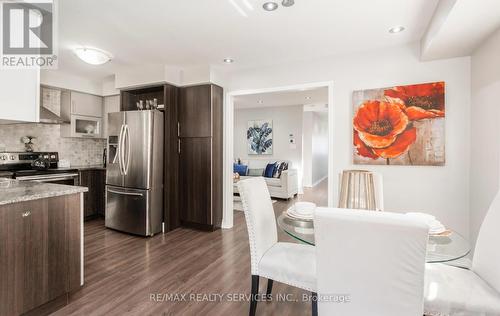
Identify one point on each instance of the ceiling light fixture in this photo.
(93, 56)
(260, 101)
(228, 60)
(270, 6)
(308, 98)
(287, 3)
(396, 29)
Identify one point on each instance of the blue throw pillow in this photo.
(269, 172)
(276, 168)
(240, 169)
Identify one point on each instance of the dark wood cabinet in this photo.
(168, 96)
(94, 199)
(193, 153)
(39, 252)
(200, 152)
(130, 97)
(171, 159)
(196, 111)
(195, 180)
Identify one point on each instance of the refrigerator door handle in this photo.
(125, 193)
(127, 137)
(121, 150)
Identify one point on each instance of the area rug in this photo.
(237, 206)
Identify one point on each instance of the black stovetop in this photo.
(32, 172)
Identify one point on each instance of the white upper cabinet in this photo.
(111, 105)
(86, 104)
(84, 112)
(19, 95)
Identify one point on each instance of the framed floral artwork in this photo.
(260, 137)
(402, 125)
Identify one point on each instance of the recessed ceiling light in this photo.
(287, 3)
(396, 29)
(93, 56)
(260, 101)
(308, 98)
(228, 60)
(270, 6)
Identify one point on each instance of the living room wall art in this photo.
(260, 137)
(402, 125)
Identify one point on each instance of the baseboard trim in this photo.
(319, 181)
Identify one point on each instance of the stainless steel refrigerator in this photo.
(134, 174)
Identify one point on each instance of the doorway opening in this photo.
(289, 128)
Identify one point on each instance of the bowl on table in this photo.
(302, 210)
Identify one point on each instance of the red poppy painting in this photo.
(402, 125)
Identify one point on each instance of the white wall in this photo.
(286, 120)
(485, 135)
(319, 147)
(307, 147)
(60, 79)
(442, 191)
(314, 148)
(108, 86)
(178, 76)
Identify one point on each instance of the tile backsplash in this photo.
(78, 151)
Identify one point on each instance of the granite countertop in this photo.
(85, 167)
(88, 167)
(13, 191)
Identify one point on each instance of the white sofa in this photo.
(284, 187)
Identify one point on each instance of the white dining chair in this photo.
(369, 263)
(289, 263)
(476, 292)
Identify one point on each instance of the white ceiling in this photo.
(316, 96)
(458, 27)
(194, 32)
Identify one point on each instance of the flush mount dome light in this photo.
(93, 56)
(270, 6)
(396, 29)
(228, 60)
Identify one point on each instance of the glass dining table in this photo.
(439, 248)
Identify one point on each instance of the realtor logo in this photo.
(28, 34)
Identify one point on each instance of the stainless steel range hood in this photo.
(50, 106)
(48, 117)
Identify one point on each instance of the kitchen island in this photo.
(41, 245)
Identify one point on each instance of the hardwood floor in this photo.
(123, 271)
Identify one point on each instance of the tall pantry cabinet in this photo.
(200, 156)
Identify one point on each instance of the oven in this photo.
(22, 166)
(68, 178)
